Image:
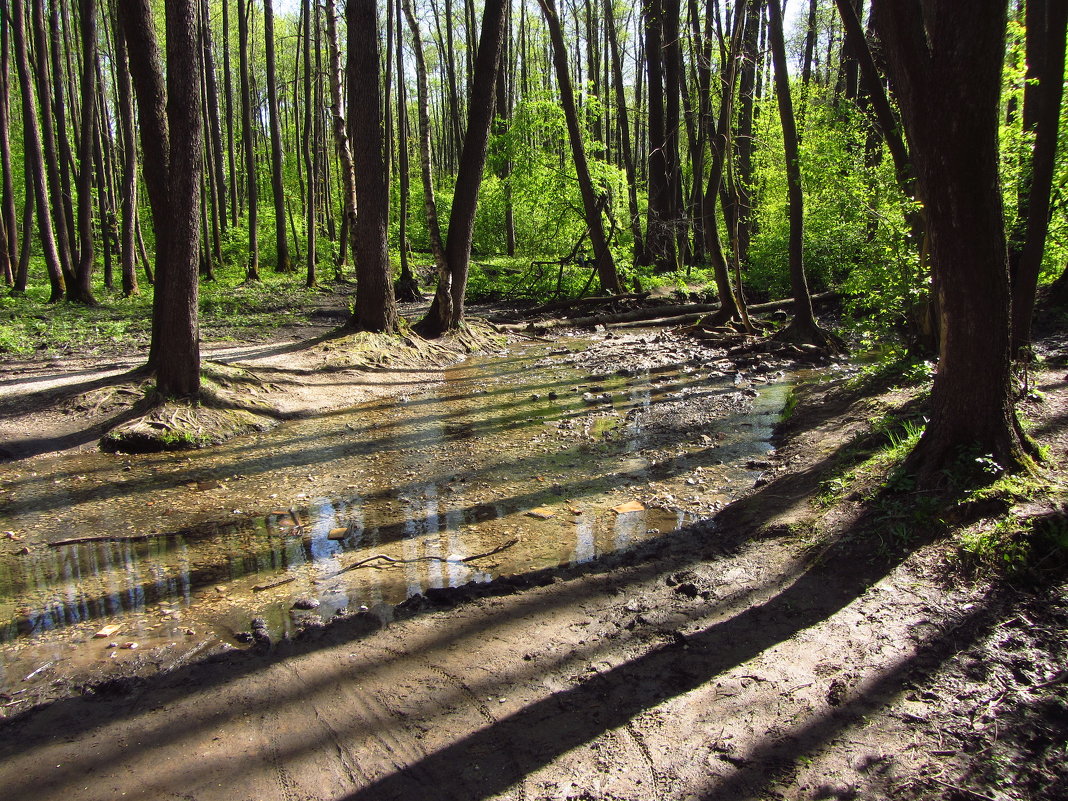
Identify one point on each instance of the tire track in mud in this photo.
(366, 711)
(479, 705)
(638, 739)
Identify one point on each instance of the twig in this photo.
(273, 584)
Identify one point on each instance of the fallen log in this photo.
(663, 314)
(693, 317)
(557, 305)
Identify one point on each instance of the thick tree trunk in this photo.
(1046, 23)
(606, 268)
(178, 370)
(946, 71)
(282, 262)
(35, 160)
(375, 307)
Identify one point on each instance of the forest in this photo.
(534, 398)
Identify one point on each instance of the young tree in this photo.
(170, 114)
(946, 71)
(375, 307)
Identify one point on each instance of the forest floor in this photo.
(819, 638)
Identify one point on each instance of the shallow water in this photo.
(514, 447)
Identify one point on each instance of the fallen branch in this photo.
(273, 584)
(366, 562)
(113, 538)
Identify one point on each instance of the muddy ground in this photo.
(780, 648)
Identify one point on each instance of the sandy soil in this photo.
(775, 651)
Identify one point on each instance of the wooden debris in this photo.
(629, 506)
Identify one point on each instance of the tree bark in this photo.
(946, 72)
(375, 307)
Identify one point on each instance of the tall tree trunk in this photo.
(946, 72)
(228, 90)
(407, 286)
(129, 167)
(9, 255)
(443, 295)
(81, 291)
(623, 121)
(22, 274)
(35, 159)
(469, 176)
(253, 270)
(341, 134)
(660, 235)
(213, 132)
(310, 207)
(606, 268)
(282, 263)
(375, 307)
(803, 327)
(721, 151)
(1046, 23)
(49, 148)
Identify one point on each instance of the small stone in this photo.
(306, 603)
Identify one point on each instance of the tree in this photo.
(80, 290)
(282, 262)
(803, 327)
(375, 307)
(946, 71)
(244, 12)
(35, 160)
(1046, 23)
(441, 318)
(591, 205)
(170, 114)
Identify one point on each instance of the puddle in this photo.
(511, 464)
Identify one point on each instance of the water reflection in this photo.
(432, 483)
